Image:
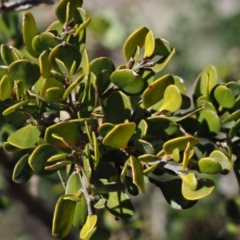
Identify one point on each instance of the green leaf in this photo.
(10, 54)
(25, 137)
(44, 64)
(85, 63)
(22, 171)
(155, 91)
(137, 38)
(38, 160)
(209, 123)
(52, 89)
(148, 158)
(65, 130)
(160, 126)
(162, 62)
(25, 71)
(67, 54)
(190, 180)
(209, 165)
(119, 136)
(172, 99)
(118, 108)
(137, 173)
(234, 131)
(100, 203)
(205, 82)
(144, 146)
(128, 81)
(105, 128)
(180, 143)
(45, 41)
(204, 188)
(14, 107)
(232, 117)
(119, 204)
(6, 88)
(89, 96)
(172, 192)
(63, 217)
(102, 68)
(72, 86)
(88, 226)
(61, 12)
(149, 45)
(74, 187)
(97, 153)
(222, 159)
(224, 96)
(104, 186)
(29, 30)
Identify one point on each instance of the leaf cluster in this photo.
(112, 129)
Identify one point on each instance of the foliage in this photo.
(112, 130)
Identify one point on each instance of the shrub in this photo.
(110, 129)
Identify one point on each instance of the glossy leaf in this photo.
(155, 91)
(73, 187)
(144, 146)
(222, 159)
(137, 173)
(149, 45)
(65, 130)
(209, 165)
(137, 38)
(29, 30)
(231, 117)
(103, 186)
(209, 122)
(119, 204)
(22, 171)
(235, 129)
(6, 87)
(118, 108)
(44, 65)
(204, 188)
(162, 62)
(38, 160)
(119, 136)
(52, 89)
(26, 71)
(224, 96)
(102, 68)
(63, 217)
(172, 99)
(180, 143)
(25, 137)
(190, 180)
(161, 126)
(100, 203)
(9, 54)
(60, 52)
(128, 81)
(88, 226)
(45, 41)
(172, 192)
(205, 82)
(61, 12)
